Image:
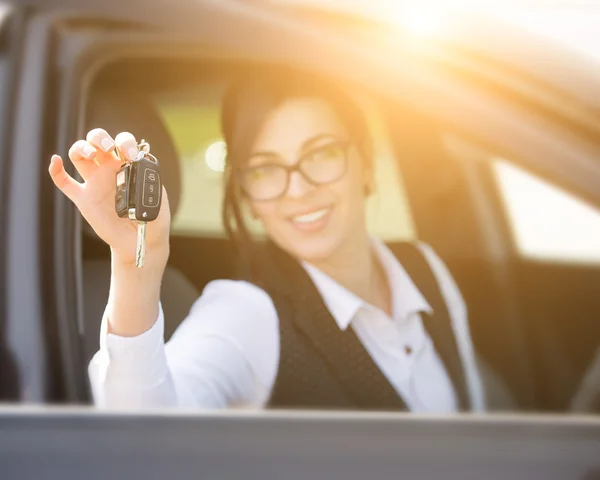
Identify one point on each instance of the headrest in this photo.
(120, 110)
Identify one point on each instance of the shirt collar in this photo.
(407, 299)
(344, 305)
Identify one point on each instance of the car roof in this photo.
(476, 35)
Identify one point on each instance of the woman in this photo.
(325, 316)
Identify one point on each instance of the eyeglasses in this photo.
(320, 166)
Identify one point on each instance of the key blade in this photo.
(141, 245)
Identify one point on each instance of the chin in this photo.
(317, 249)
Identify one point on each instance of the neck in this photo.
(354, 266)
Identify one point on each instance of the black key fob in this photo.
(139, 189)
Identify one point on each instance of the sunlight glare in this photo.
(421, 21)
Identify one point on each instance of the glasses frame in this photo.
(296, 167)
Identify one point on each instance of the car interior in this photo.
(531, 317)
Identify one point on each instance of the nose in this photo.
(298, 186)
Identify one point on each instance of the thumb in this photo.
(63, 181)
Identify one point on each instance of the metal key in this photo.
(140, 252)
(138, 194)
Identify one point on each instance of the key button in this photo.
(151, 176)
(151, 189)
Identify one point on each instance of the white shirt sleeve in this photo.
(224, 354)
(460, 323)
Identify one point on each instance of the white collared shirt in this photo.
(226, 352)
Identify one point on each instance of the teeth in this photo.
(311, 217)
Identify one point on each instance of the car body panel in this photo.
(294, 445)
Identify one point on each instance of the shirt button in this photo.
(408, 349)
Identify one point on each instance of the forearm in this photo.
(134, 295)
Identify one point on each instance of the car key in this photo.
(138, 194)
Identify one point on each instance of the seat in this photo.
(117, 110)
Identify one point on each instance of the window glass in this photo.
(547, 222)
(193, 119)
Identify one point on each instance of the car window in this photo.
(193, 119)
(547, 223)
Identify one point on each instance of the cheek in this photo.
(266, 212)
(352, 190)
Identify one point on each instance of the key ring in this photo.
(144, 147)
(144, 151)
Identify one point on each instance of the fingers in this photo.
(126, 146)
(104, 145)
(83, 156)
(65, 182)
(97, 151)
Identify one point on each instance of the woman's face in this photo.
(310, 219)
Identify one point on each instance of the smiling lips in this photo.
(312, 221)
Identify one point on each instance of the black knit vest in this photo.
(323, 367)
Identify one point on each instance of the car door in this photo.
(72, 443)
(461, 211)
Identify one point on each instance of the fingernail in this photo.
(107, 144)
(88, 151)
(132, 152)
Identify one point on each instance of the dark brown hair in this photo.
(245, 108)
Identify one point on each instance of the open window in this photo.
(429, 187)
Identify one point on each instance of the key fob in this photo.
(139, 189)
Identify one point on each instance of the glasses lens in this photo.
(326, 164)
(264, 182)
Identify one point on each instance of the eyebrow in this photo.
(305, 146)
(311, 141)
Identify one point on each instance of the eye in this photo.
(261, 172)
(256, 173)
(333, 151)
